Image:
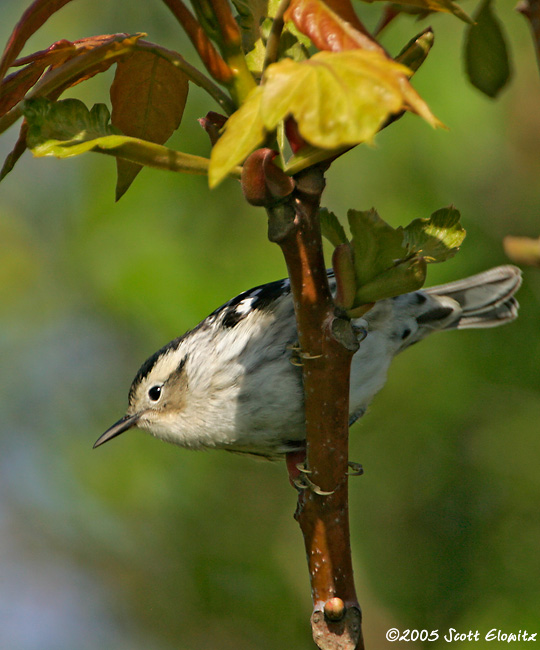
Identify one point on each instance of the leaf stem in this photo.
(212, 60)
(272, 44)
(229, 39)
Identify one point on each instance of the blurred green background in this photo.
(142, 545)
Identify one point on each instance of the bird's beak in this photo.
(117, 428)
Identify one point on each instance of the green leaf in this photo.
(408, 275)
(416, 50)
(486, 55)
(391, 261)
(436, 239)
(67, 128)
(377, 246)
(331, 227)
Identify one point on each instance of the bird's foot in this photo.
(298, 356)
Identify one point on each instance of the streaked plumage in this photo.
(229, 382)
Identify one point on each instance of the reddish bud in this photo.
(262, 181)
(279, 185)
(212, 124)
(296, 141)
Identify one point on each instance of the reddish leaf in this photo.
(62, 49)
(148, 96)
(345, 10)
(15, 86)
(32, 19)
(94, 55)
(326, 29)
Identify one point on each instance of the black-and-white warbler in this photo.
(230, 384)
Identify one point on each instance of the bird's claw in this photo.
(298, 356)
(303, 482)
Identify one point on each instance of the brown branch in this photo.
(213, 61)
(327, 345)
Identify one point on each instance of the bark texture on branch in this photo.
(327, 345)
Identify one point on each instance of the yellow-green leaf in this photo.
(436, 239)
(244, 132)
(67, 128)
(338, 99)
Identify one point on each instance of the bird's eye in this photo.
(154, 393)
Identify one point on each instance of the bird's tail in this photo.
(486, 299)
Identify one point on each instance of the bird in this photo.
(229, 383)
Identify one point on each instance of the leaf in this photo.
(251, 14)
(408, 275)
(329, 30)
(331, 228)
(377, 246)
(447, 6)
(391, 261)
(15, 86)
(486, 55)
(148, 97)
(436, 239)
(416, 50)
(244, 132)
(383, 265)
(31, 20)
(338, 99)
(67, 128)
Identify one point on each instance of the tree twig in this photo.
(336, 619)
